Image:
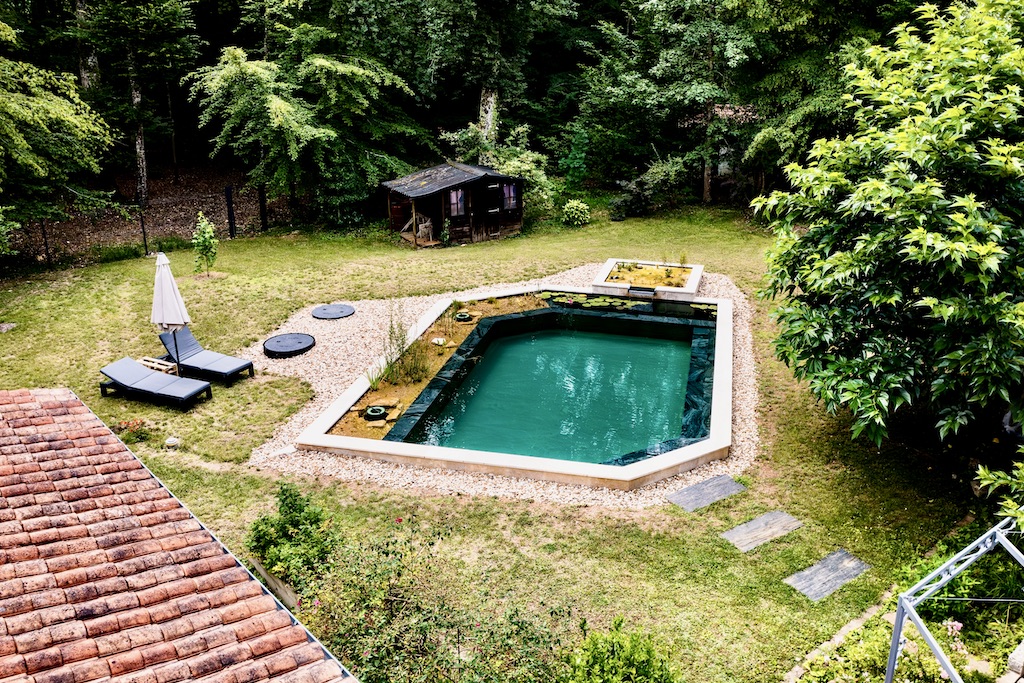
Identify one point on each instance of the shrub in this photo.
(108, 253)
(204, 243)
(864, 654)
(170, 243)
(389, 610)
(575, 213)
(618, 657)
(297, 542)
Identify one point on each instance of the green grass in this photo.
(725, 616)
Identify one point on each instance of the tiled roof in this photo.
(104, 575)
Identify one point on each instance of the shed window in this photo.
(511, 199)
(456, 203)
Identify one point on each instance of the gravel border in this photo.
(346, 347)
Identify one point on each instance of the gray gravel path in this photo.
(345, 348)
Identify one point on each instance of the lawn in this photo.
(724, 615)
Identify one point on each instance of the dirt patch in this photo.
(174, 203)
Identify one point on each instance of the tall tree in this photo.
(898, 267)
(306, 122)
(664, 84)
(140, 45)
(48, 138)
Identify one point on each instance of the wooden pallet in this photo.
(159, 365)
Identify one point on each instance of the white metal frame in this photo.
(906, 606)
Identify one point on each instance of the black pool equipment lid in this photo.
(288, 345)
(332, 311)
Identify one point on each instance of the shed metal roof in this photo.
(442, 177)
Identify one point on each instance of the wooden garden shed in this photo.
(475, 203)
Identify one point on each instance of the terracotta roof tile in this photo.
(104, 575)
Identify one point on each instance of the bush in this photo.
(991, 630)
(296, 543)
(170, 243)
(108, 253)
(204, 243)
(864, 654)
(389, 610)
(618, 657)
(619, 207)
(575, 213)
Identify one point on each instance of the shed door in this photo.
(491, 216)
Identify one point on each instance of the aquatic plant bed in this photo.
(649, 279)
(396, 397)
(660, 459)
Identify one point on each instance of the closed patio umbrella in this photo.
(168, 307)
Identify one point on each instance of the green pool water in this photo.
(571, 395)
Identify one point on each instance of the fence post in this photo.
(261, 192)
(231, 211)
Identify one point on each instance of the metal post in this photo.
(231, 211)
(897, 637)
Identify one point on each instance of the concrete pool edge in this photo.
(316, 436)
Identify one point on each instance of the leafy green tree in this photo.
(48, 138)
(306, 122)
(796, 84)
(139, 45)
(204, 244)
(664, 83)
(897, 267)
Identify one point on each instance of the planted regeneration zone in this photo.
(597, 390)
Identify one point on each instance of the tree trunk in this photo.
(142, 186)
(88, 64)
(174, 142)
(488, 123)
(707, 181)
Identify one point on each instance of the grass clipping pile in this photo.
(407, 372)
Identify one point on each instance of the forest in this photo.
(662, 102)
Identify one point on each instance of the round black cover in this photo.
(332, 311)
(288, 345)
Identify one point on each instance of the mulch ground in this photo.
(172, 210)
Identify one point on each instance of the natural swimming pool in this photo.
(591, 387)
(704, 434)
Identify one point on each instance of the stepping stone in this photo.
(706, 492)
(821, 580)
(767, 527)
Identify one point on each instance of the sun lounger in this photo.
(137, 381)
(195, 361)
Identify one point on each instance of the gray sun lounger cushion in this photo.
(136, 380)
(195, 361)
